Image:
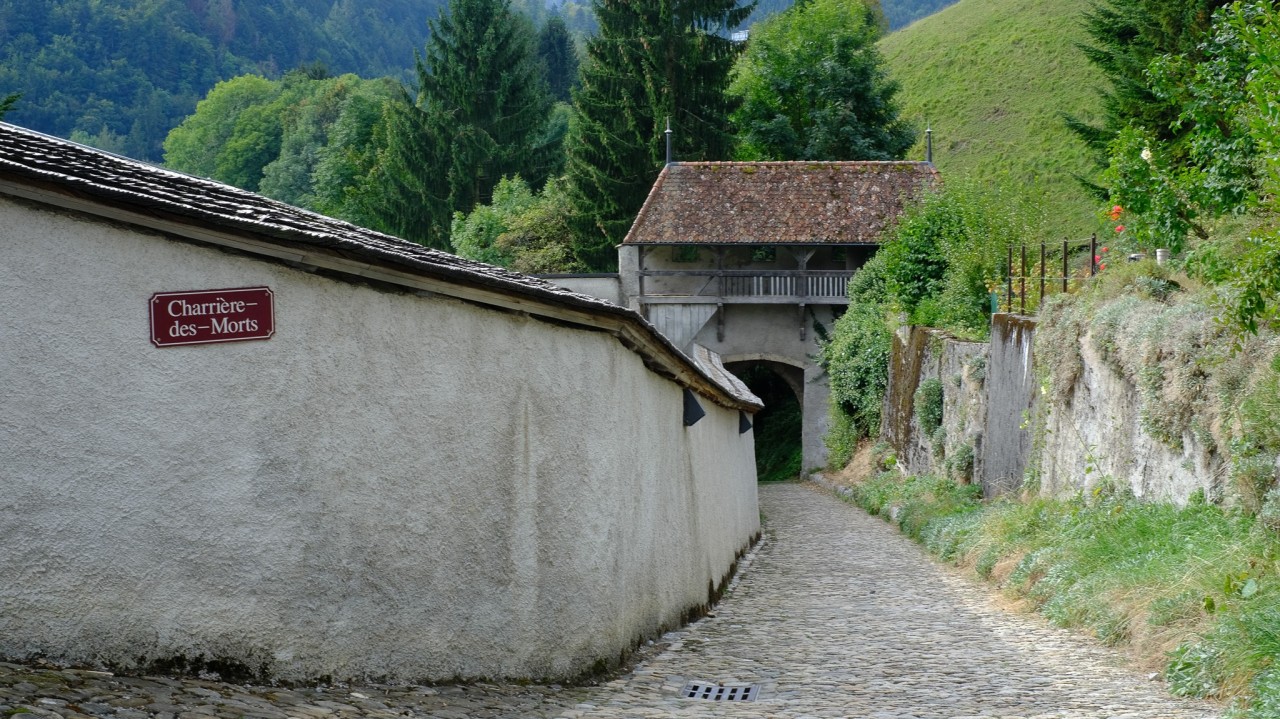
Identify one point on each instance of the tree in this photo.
(522, 230)
(1127, 36)
(813, 87)
(559, 58)
(652, 60)
(195, 146)
(7, 103)
(481, 107)
(1173, 179)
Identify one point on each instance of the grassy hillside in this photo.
(992, 77)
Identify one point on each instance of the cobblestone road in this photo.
(836, 616)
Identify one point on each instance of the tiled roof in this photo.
(777, 202)
(61, 168)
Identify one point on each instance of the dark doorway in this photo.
(779, 452)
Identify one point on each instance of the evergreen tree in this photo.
(7, 103)
(652, 60)
(480, 110)
(813, 87)
(1127, 36)
(559, 58)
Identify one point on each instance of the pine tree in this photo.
(652, 60)
(559, 58)
(480, 113)
(1127, 35)
(7, 102)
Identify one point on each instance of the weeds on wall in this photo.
(1194, 590)
(1192, 378)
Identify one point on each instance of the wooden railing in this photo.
(748, 286)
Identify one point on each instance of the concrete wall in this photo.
(773, 333)
(1096, 432)
(604, 286)
(742, 332)
(395, 485)
(1011, 393)
(921, 354)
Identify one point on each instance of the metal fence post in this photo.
(1043, 270)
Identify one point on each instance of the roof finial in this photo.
(668, 133)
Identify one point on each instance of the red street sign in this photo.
(205, 316)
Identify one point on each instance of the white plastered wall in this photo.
(394, 485)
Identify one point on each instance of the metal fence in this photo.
(1021, 279)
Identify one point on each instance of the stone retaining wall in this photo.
(992, 404)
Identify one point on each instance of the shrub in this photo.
(857, 362)
(928, 405)
(948, 250)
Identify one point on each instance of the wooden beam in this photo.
(740, 300)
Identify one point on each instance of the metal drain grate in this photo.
(720, 692)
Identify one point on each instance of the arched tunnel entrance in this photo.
(779, 426)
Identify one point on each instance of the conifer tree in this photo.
(652, 60)
(1127, 35)
(480, 112)
(559, 58)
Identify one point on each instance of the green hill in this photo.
(992, 77)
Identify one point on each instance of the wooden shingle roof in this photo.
(775, 203)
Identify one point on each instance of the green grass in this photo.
(1193, 589)
(992, 77)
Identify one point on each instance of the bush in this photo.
(948, 250)
(928, 405)
(857, 362)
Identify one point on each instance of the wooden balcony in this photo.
(798, 287)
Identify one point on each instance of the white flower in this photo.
(1146, 154)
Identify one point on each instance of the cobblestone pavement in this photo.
(836, 616)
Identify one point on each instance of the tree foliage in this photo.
(652, 60)
(948, 251)
(1216, 157)
(305, 141)
(813, 87)
(124, 73)
(559, 57)
(7, 102)
(525, 231)
(480, 113)
(1127, 35)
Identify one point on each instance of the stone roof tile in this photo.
(777, 202)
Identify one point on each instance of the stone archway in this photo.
(779, 427)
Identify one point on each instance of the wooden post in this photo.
(720, 288)
(1009, 283)
(640, 269)
(1093, 252)
(1044, 269)
(1022, 284)
(1065, 269)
